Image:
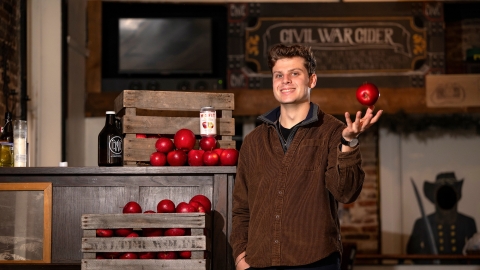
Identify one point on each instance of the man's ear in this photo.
(312, 81)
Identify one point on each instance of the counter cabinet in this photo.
(105, 190)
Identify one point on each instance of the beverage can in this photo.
(208, 122)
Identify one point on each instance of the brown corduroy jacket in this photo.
(285, 203)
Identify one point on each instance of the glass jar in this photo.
(6, 154)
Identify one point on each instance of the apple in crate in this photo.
(104, 232)
(129, 256)
(229, 157)
(177, 158)
(132, 207)
(164, 145)
(210, 158)
(185, 254)
(167, 255)
(123, 232)
(184, 207)
(203, 200)
(208, 143)
(147, 255)
(195, 157)
(152, 232)
(166, 206)
(158, 159)
(174, 232)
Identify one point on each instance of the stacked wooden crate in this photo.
(198, 242)
(164, 113)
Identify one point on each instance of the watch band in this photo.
(354, 142)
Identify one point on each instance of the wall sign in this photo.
(342, 44)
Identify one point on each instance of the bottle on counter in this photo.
(7, 129)
(110, 143)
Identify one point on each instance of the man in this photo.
(292, 172)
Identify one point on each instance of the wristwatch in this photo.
(352, 143)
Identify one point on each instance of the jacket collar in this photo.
(272, 116)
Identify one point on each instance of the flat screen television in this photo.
(163, 46)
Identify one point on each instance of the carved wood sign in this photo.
(386, 44)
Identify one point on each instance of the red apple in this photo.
(152, 232)
(129, 256)
(367, 94)
(210, 158)
(132, 207)
(185, 254)
(208, 143)
(100, 256)
(123, 232)
(174, 232)
(229, 157)
(153, 136)
(218, 151)
(198, 206)
(147, 255)
(203, 200)
(104, 232)
(184, 139)
(133, 234)
(111, 255)
(184, 207)
(167, 255)
(164, 145)
(195, 157)
(177, 158)
(141, 135)
(166, 206)
(158, 159)
(149, 212)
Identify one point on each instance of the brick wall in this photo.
(359, 221)
(9, 55)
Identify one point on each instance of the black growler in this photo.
(110, 143)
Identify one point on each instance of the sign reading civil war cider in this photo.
(386, 44)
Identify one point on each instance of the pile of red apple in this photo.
(198, 203)
(181, 152)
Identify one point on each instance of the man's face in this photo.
(291, 83)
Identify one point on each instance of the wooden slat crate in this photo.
(164, 113)
(198, 243)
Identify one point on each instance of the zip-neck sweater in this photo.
(286, 193)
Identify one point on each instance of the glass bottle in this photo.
(7, 130)
(110, 143)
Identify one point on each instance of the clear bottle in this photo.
(7, 130)
(110, 143)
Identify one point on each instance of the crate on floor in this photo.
(166, 112)
(198, 242)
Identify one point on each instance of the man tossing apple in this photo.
(292, 171)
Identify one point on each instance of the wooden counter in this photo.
(105, 190)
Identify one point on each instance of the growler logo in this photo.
(115, 145)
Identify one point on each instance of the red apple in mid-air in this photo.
(129, 256)
(158, 159)
(185, 254)
(203, 200)
(210, 158)
(104, 232)
(184, 139)
(164, 145)
(132, 207)
(195, 157)
(367, 94)
(174, 232)
(229, 157)
(208, 143)
(166, 206)
(184, 207)
(167, 255)
(177, 158)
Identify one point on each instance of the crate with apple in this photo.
(149, 115)
(173, 237)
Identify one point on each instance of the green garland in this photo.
(411, 124)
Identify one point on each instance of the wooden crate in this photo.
(198, 243)
(164, 113)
